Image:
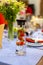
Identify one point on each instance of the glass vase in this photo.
(10, 30)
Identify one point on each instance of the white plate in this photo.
(34, 44)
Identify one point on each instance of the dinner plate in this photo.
(34, 44)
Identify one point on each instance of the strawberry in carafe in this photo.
(20, 48)
(20, 44)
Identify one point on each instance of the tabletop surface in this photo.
(8, 55)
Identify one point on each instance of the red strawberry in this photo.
(22, 34)
(17, 43)
(19, 30)
(21, 43)
(20, 38)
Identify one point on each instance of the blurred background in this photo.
(35, 4)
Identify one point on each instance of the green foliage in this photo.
(10, 10)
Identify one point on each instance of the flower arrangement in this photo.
(10, 9)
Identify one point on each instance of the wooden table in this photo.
(40, 61)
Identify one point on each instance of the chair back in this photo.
(1, 34)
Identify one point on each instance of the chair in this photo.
(1, 34)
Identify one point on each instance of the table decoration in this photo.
(37, 43)
(10, 10)
(30, 40)
(21, 22)
(40, 41)
(36, 39)
(20, 43)
(37, 21)
(21, 18)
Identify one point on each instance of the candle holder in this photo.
(21, 22)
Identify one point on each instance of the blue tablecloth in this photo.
(7, 54)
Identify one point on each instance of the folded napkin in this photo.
(40, 41)
(30, 40)
(2, 19)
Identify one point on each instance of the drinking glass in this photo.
(20, 48)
